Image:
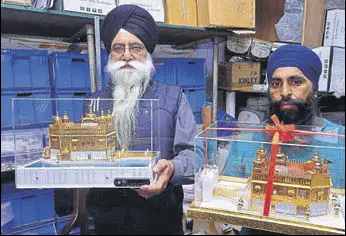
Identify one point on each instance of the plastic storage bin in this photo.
(27, 140)
(75, 106)
(105, 75)
(69, 71)
(29, 206)
(6, 215)
(23, 113)
(191, 72)
(198, 117)
(24, 69)
(196, 98)
(166, 70)
(42, 228)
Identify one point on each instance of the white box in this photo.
(324, 54)
(337, 78)
(154, 7)
(333, 69)
(97, 7)
(334, 32)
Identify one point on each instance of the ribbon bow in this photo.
(284, 131)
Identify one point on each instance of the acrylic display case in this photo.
(281, 178)
(82, 151)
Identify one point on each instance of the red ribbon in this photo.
(281, 133)
(279, 127)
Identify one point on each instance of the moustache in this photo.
(289, 101)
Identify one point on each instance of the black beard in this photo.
(304, 114)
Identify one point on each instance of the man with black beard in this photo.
(293, 73)
(129, 35)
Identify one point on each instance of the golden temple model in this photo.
(300, 188)
(91, 139)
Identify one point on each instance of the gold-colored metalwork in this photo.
(284, 226)
(298, 184)
(67, 139)
(91, 139)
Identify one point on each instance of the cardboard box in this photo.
(324, 53)
(181, 12)
(226, 13)
(154, 7)
(239, 75)
(86, 6)
(337, 75)
(333, 69)
(334, 32)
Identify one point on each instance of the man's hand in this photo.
(164, 170)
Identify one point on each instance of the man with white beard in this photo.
(129, 35)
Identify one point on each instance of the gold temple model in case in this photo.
(298, 186)
(91, 139)
(85, 154)
(232, 183)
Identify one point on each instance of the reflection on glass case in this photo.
(83, 151)
(282, 172)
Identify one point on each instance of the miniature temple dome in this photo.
(65, 118)
(316, 157)
(261, 154)
(57, 119)
(317, 162)
(90, 116)
(281, 157)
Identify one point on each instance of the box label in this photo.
(238, 44)
(334, 32)
(97, 7)
(154, 7)
(324, 54)
(260, 49)
(337, 78)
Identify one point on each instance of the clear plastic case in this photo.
(272, 173)
(82, 150)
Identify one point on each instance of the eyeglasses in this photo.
(120, 49)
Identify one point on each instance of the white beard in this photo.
(129, 85)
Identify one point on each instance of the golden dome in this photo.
(65, 118)
(280, 155)
(261, 154)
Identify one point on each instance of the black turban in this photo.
(133, 19)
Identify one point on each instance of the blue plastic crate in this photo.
(24, 69)
(73, 104)
(27, 113)
(198, 117)
(29, 206)
(166, 70)
(196, 98)
(69, 71)
(43, 228)
(191, 72)
(104, 74)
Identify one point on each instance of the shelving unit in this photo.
(71, 26)
(62, 24)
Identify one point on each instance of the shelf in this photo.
(244, 91)
(63, 24)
